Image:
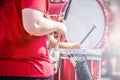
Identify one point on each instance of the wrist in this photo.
(57, 26)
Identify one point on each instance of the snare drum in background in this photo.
(82, 14)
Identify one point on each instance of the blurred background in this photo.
(111, 49)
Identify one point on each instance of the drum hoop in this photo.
(104, 10)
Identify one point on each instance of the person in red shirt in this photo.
(24, 26)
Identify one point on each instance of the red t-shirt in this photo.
(20, 53)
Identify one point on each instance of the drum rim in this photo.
(104, 10)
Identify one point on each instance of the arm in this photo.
(36, 24)
(66, 45)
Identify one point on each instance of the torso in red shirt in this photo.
(20, 53)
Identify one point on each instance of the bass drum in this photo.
(82, 14)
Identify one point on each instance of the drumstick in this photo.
(72, 60)
(94, 26)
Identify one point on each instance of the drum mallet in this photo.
(94, 26)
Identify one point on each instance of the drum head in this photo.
(81, 17)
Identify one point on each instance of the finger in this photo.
(57, 43)
(64, 38)
(58, 39)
